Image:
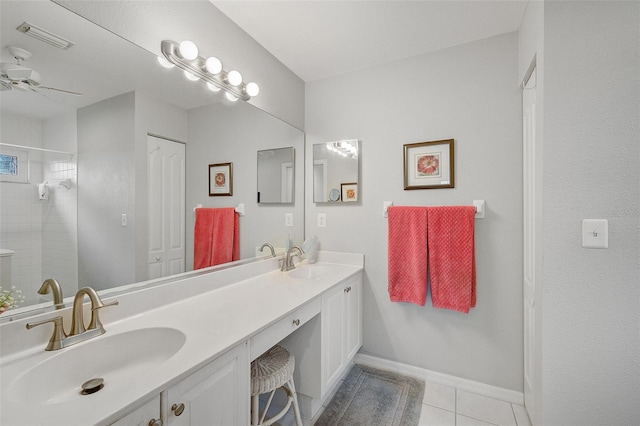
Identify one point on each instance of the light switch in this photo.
(595, 233)
(288, 220)
(124, 220)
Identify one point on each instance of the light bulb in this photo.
(213, 87)
(213, 65)
(231, 97)
(252, 89)
(188, 50)
(234, 78)
(163, 61)
(190, 76)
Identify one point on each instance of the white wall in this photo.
(468, 93)
(591, 324)
(106, 190)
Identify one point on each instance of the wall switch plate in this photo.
(288, 220)
(595, 233)
(322, 220)
(124, 220)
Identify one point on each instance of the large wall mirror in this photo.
(335, 171)
(91, 139)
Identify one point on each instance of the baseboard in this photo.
(443, 379)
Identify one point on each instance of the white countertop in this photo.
(213, 322)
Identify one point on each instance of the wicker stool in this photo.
(271, 371)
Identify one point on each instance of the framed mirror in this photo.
(336, 170)
(276, 175)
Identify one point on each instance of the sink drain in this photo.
(92, 386)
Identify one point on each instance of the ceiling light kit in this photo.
(185, 56)
(44, 35)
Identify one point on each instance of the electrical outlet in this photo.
(322, 220)
(288, 220)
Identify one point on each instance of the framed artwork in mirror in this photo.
(349, 192)
(429, 165)
(220, 179)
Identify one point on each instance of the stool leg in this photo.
(296, 408)
(255, 409)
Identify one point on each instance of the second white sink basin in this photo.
(118, 359)
(308, 272)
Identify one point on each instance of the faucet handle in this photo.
(95, 318)
(58, 335)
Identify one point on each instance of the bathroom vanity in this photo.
(179, 353)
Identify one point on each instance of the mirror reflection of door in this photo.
(334, 164)
(166, 189)
(320, 193)
(275, 175)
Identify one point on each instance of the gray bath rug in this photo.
(374, 397)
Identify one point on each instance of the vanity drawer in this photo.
(281, 329)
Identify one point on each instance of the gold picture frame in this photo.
(429, 165)
(349, 192)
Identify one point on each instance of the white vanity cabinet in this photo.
(217, 394)
(144, 415)
(341, 329)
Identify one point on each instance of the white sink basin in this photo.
(308, 272)
(117, 358)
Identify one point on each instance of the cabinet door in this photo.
(353, 315)
(333, 322)
(217, 394)
(142, 415)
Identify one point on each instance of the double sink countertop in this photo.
(154, 339)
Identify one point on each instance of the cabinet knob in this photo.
(154, 422)
(296, 322)
(177, 409)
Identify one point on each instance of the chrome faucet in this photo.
(287, 262)
(78, 333)
(273, 252)
(51, 284)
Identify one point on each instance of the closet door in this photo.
(532, 163)
(166, 188)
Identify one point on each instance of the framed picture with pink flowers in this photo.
(220, 179)
(429, 165)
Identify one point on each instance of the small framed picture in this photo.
(429, 165)
(349, 192)
(220, 179)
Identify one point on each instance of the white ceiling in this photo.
(319, 39)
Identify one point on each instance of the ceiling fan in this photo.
(17, 77)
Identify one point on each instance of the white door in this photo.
(166, 189)
(531, 221)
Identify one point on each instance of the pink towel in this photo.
(407, 254)
(216, 237)
(452, 267)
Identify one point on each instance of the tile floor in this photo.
(447, 406)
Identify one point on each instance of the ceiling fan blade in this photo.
(69, 92)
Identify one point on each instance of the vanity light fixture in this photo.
(44, 35)
(185, 56)
(346, 148)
